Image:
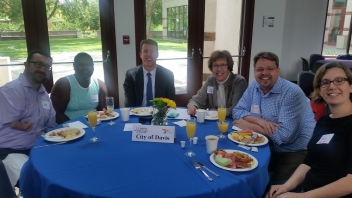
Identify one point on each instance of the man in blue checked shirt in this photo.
(279, 110)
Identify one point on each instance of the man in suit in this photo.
(149, 80)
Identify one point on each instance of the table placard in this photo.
(152, 133)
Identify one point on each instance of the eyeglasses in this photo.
(222, 66)
(337, 81)
(261, 70)
(40, 65)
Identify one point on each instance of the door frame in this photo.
(196, 11)
(108, 41)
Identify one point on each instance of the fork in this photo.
(198, 168)
(254, 136)
(49, 145)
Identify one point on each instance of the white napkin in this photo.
(236, 128)
(181, 123)
(129, 126)
(182, 114)
(77, 124)
(13, 165)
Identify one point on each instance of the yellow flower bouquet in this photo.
(161, 107)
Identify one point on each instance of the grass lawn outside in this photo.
(17, 49)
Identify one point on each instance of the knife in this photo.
(202, 165)
(49, 145)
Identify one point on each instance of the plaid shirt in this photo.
(286, 105)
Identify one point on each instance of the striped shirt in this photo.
(286, 105)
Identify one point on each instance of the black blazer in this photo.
(134, 85)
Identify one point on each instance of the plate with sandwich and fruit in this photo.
(243, 136)
(233, 160)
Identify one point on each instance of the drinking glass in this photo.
(92, 120)
(190, 130)
(221, 113)
(110, 107)
(223, 126)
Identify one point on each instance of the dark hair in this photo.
(266, 55)
(319, 76)
(148, 41)
(224, 54)
(82, 55)
(31, 54)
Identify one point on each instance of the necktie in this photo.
(149, 90)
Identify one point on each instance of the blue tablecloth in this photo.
(118, 167)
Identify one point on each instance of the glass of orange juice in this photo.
(222, 127)
(92, 120)
(190, 130)
(110, 108)
(221, 113)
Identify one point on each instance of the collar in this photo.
(152, 72)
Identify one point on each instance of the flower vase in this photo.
(159, 116)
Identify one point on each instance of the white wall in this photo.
(298, 32)
(124, 25)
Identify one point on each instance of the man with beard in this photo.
(74, 95)
(278, 109)
(25, 108)
(149, 80)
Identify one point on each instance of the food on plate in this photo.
(66, 134)
(245, 132)
(233, 159)
(246, 135)
(139, 111)
(104, 114)
(222, 161)
(212, 114)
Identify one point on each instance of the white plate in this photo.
(143, 111)
(213, 115)
(61, 139)
(115, 115)
(260, 144)
(234, 169)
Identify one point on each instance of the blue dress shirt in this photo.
(285, 105)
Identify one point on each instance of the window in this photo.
(337, 28)
(177, 22)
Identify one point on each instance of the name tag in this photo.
(46, 104)
(255, 109)
(94, 98)
(210, 89)
(325, 139)
(152, 133)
